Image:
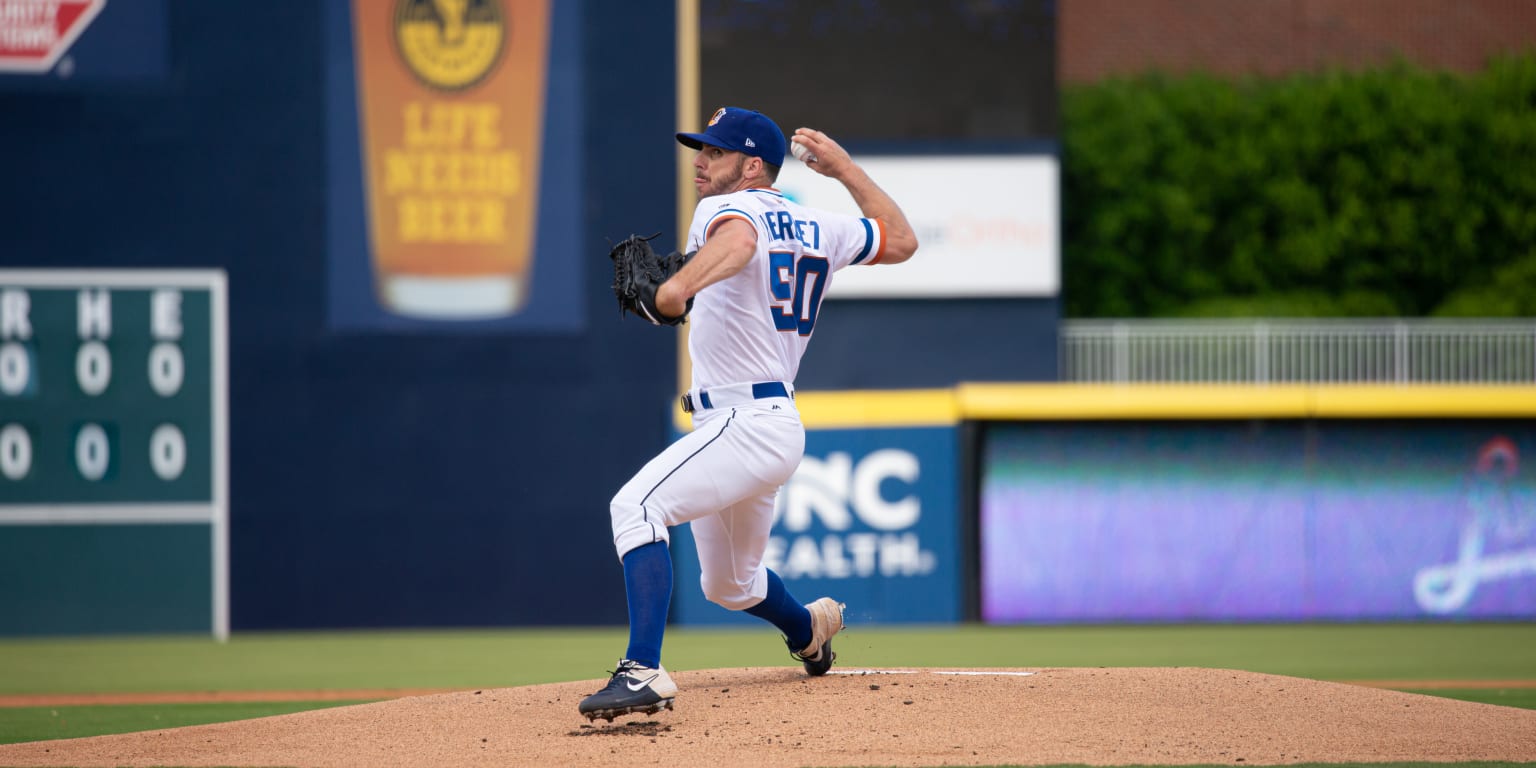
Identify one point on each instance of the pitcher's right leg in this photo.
(709, 469)
(731, 455)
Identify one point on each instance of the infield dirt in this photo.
(908, 717)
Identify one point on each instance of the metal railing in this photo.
(1299, 351)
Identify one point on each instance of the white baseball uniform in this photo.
(747, 335)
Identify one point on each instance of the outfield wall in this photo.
(1103, 504)
(389, 471)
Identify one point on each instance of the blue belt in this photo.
(760, 390)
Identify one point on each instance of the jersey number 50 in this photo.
(796, 287)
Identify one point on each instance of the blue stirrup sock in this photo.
(648, 586)
(781, 609)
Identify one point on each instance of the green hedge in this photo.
(1396, 192)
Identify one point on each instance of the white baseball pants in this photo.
(723, 478)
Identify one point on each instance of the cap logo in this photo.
(750, 142)
(719, 113)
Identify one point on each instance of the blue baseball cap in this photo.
(740, 130)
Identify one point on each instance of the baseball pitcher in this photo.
(751, 280)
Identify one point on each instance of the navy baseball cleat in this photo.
(633, 688)
(826, 621)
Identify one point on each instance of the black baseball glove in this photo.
(638, 271)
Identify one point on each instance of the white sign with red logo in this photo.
(34, 34)
(986, 225)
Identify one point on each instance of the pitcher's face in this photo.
(717, 171)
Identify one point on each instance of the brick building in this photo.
(1101, 38)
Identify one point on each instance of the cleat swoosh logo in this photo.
(635, 685)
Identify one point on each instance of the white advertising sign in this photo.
(988, 225)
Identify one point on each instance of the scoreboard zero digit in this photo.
(113, 452)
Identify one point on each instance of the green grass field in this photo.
(1434, 655)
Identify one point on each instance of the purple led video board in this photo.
(1258, 521)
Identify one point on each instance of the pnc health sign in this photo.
(870, 518)
(34, 34)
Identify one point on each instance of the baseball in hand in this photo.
(801, 153)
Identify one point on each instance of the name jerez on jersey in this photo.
(782, 226)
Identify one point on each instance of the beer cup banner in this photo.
(442, 127)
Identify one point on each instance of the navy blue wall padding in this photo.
(920, 343)
(376, 480)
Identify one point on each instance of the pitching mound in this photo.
(778, 717)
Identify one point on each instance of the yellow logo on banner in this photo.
(450, 44)
(451, 109)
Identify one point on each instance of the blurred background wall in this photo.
(1107, 38)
